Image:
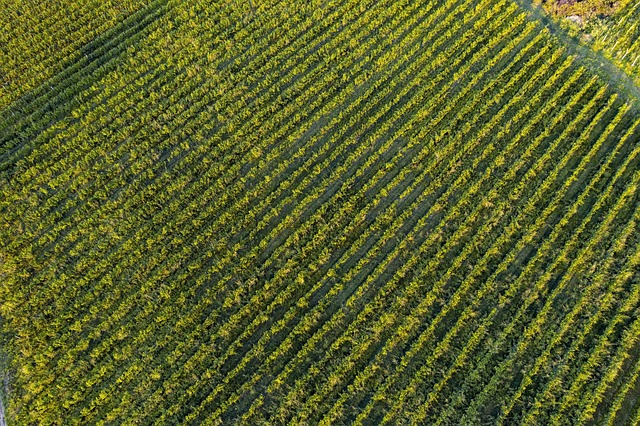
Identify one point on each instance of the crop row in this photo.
(339, 212)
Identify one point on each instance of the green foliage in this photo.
(608, 27)
(619, 39)
(324, 212)
(40, 38)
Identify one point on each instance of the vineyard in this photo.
(621, 39)
(39, 39)
(323, 212)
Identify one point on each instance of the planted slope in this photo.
(346, 212)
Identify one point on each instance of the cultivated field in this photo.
(322, 212)
(39, 39)
(620, 40)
